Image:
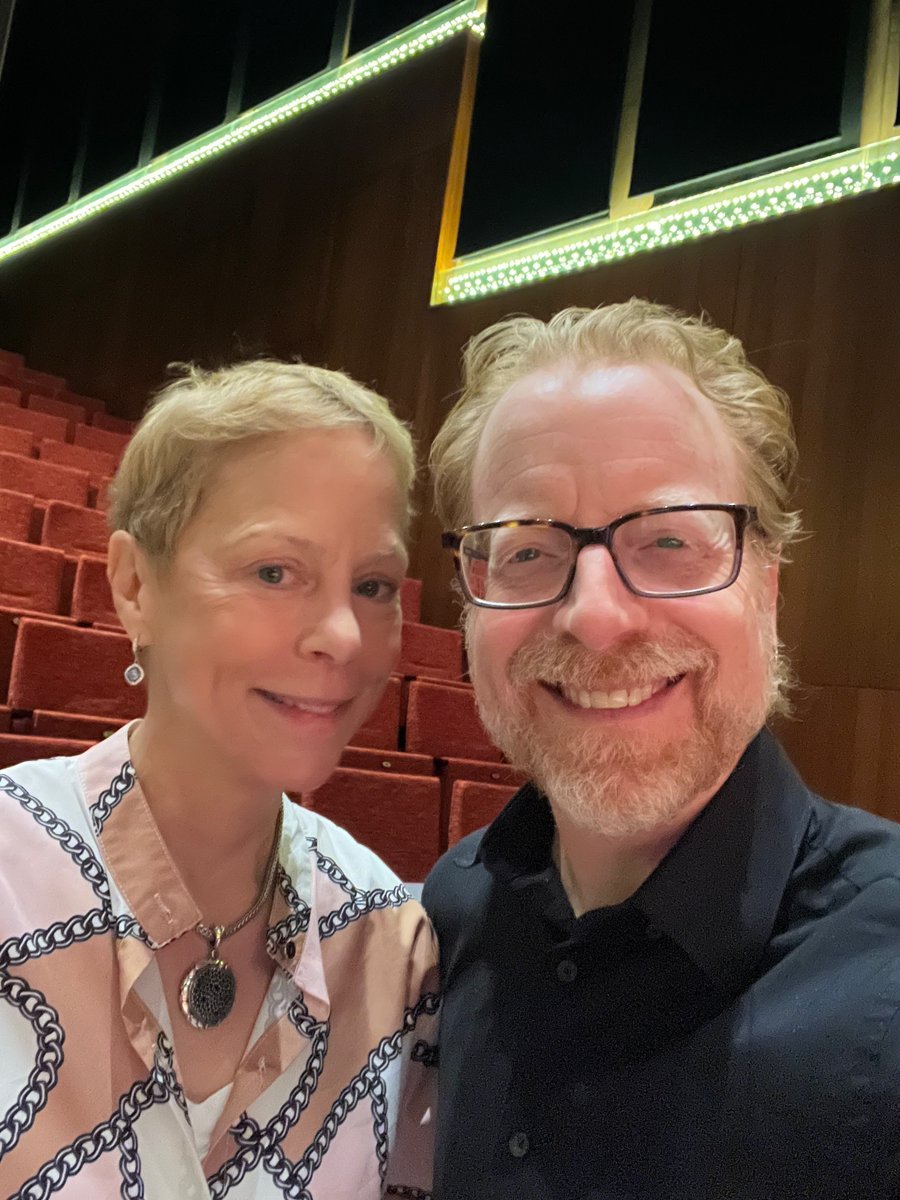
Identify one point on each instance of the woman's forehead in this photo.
(300, 482)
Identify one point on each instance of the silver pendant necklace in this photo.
(209, 988)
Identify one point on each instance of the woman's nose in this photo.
(335, 633)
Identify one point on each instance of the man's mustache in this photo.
(632, 663)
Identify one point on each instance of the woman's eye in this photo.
(377, 589)
(273, 573)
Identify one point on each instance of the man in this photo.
(670, 970)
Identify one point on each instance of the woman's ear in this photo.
(129, 573)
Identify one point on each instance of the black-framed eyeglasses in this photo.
(662, 553)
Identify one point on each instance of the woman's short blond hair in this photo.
(194, 421)
(756, 413)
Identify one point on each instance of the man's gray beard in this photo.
(615, 782)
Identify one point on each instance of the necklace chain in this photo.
(217, 933)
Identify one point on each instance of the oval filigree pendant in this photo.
(207, 993)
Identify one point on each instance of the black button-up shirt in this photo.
(730, 1032)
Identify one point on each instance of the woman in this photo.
(208, 990)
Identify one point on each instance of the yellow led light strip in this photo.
(592, 243)
(444, 24)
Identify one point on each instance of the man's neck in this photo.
(598, 870)
(217, 828)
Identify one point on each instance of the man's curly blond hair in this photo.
(755, 412)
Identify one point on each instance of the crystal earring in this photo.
(134, 672)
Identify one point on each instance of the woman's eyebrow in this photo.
(390, 554)
(276, 534)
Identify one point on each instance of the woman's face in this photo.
(272, 631)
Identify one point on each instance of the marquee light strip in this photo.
(592, 243)
(320, 88)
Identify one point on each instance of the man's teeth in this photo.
(618, 699)
(310, 706)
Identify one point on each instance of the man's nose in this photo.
(599, 609)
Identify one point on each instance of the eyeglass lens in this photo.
(662, 553)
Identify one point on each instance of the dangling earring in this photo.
(134, 672)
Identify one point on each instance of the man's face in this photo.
(587, 445)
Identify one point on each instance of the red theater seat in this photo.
(101, 439)
(364, 758)
(91, 598)
(10, 619)
(73, 725)
(41, 424)
(75, 529)
(30, 576)
(411, 599)
(15, 516)
(474, 805)
(11, 361)
(68, 669)
(5, 710)
(451, 770)
(443, 721)
(99, 464)
(103, 420)
(430, 651)
(40, 381)
(16, 441)
(10, 395)
(90, 404)
(103, 494)
(382, 729)
(73, 413)
(397, 816)
(17, 748)
(43, 480)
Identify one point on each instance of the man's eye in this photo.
(377, 589)
(527, 554)
(668, 543)
(273, 573)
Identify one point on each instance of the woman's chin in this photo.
(305, 778)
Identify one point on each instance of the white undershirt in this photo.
(205, 1113)
(205, 1116)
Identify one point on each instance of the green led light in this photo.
(444, 24)
(592, 243)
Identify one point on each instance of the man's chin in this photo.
(622, 783)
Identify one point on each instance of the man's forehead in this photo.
(603, 399)
(577, 413)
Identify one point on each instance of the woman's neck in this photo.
(217, 827)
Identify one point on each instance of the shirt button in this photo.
(290, 949)
(519, 1145)
(566, 970)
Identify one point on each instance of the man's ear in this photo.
(129, 573)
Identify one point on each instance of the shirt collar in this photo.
(154, 892)
(718, 891)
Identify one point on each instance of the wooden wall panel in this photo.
(845, 742)
(320, 240)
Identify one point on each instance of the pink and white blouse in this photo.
(333, 1098)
